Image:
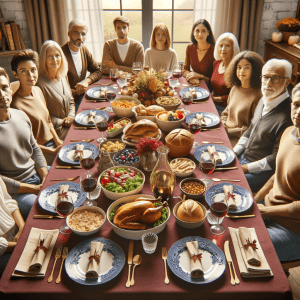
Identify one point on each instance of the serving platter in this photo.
(133, 144)
(211, 120)
(47, 198)
(112, 262)
(202, 93)
(82, 117)
(66, 153)
(92, 92)
(213, 260)
(243, 197)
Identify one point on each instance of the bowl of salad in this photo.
(117, 127)
(120, 181)
(131, 234)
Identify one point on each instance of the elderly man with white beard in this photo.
(258, 146)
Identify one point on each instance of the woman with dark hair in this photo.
(200, 54)
(243, 76)
(160, 55)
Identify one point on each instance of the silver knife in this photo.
(230, 262)
(228, 168)
(237, 217)
(47, 217)
(130, 256)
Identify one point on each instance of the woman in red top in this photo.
(200, 54)
(226, 48)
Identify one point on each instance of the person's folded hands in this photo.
(67, 122)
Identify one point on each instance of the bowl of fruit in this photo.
(168, 120)
(117, 127)
(127, 157)
(117, 182)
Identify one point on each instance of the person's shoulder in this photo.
(42, 79)
(111, 42)
(216, 63)
(172, 51)
(65, 47)
(18, 114)
(136, 43)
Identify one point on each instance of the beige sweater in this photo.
(240, 109)
(135, 53)
(157, 59)
(286, 187)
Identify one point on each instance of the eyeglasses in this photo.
(274, 79)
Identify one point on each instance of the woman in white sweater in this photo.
(11, 225)
(160, 55)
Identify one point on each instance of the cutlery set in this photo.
(234, 280)
(64, 255)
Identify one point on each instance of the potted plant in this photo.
(288, 27)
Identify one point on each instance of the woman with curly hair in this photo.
(200, 54)
(243, 76)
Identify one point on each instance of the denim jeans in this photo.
(77, 103)
(220, 109)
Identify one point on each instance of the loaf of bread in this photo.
(153, 110)
(180, 137)
(190, 211)
(141, 129)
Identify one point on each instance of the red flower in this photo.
(142, 94)
(145, 145)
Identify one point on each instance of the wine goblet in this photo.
(177, 71)
(114, 75)
(64, 207)
(195, 126)
(207, 166)
(110, 96)
(173, 83)
(87, 163)
(101, 124)
(88, 183)
(187, 100)
(136, 67)
(122, 82)
(218, 208)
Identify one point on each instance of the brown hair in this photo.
(210, 39)
(121, 19)
(163, 27)
(257, 63)
(24, 55)
(3, 73)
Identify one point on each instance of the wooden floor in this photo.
(294, 280)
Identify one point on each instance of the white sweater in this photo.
(8, 228)
(156, 59)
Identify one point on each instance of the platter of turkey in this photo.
(135, 215)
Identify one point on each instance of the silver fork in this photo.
(57, 255)
(64, 256)
(164, 257)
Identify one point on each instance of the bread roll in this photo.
(180, 137)
(153, 110)
(190, 211)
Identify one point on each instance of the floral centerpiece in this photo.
(149, 85)
(288, 24)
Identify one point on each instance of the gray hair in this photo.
(231, 36)
(77, 22)
(295, 90)
(280, 63)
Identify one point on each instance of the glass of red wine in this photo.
(102, 125)
(187, 100)
(64, 207)
(88, 183)
(87, 163)
(218, 208)
(114, 76)
(110, 96)
(177, 72)
(195, 126)
(136, 67)
(207, 166)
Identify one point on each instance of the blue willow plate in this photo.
(111, 262)
(213, 260)
(243, 197)
(63, 153)
(211, 119)
(226, 154)
(201, 92)
(48, 196)
(81, 118)
(92, 92)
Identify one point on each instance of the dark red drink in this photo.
(219, 209)
(110, 96)
(114, 78)
(187, 101)
(64, 208)
(88, 184)
(102, 126)
(194, 128)
(87, 163)
(207, 167)
(176, 74)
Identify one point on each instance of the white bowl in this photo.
(168, 125)
(118, 131)
(134, 234)
(114, 152)
(189, 225)
(114, 196)
(151, 118)
(124, 112)
(183, 174)
(86, 233)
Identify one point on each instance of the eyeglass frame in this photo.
(268, 78)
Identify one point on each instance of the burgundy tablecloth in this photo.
(150, 274)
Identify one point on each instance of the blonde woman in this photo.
(160, 55)
(53, 82)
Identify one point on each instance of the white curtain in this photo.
(90, 11)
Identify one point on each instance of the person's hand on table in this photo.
(263, 210)
(193, 75)
(67, 122)
(110, 64)
(216, 98)
(26, 188)
(17, 236)
(245, 168)
(81, 86)
(194, 81)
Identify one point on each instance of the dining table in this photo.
(150, 274)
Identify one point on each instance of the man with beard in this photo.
(122, 52)
(80, 60)
(258, 146)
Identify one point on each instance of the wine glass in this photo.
(64, 206)
(207, 166)
(195, 126)
(187, 100)
(110, 96)
(173, 83)
(122, 82)
(219, 208)
(101, 124)
(177, 71)
(88, 183)
(136, 67)
(87, 163)
(114, 75)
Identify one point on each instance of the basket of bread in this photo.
(143, 112)
(180, 142)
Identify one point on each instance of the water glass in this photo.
(149, 241)
(122, 82)
(173, 82)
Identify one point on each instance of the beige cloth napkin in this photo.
(214, 154)
(196, 266)
(78, 151)
(63, 191)
(246, 269)
(200, 118)
(193, 93)
(228, 191)
(94, 260)
(23, 266)
(103, 92)
(91, 117)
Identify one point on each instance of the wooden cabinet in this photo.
(283, 50)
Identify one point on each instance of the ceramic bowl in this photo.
(192, 196)
(124, 112)
(135, 164)
(169, 107)
(114, 152)
(183, 174)
(118, 131)
(168, 125)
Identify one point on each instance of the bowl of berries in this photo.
(168, 120)
(127, 157)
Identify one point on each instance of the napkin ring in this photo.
(230, 196)
(41, 247)
(63, 195)
(214, 153)
(249, 244)
(195, 257)
(96, 257)
(78, 151)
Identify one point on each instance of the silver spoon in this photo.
(136, 261)
(218, 179)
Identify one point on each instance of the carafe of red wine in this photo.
(105, 162)
(162, 179)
